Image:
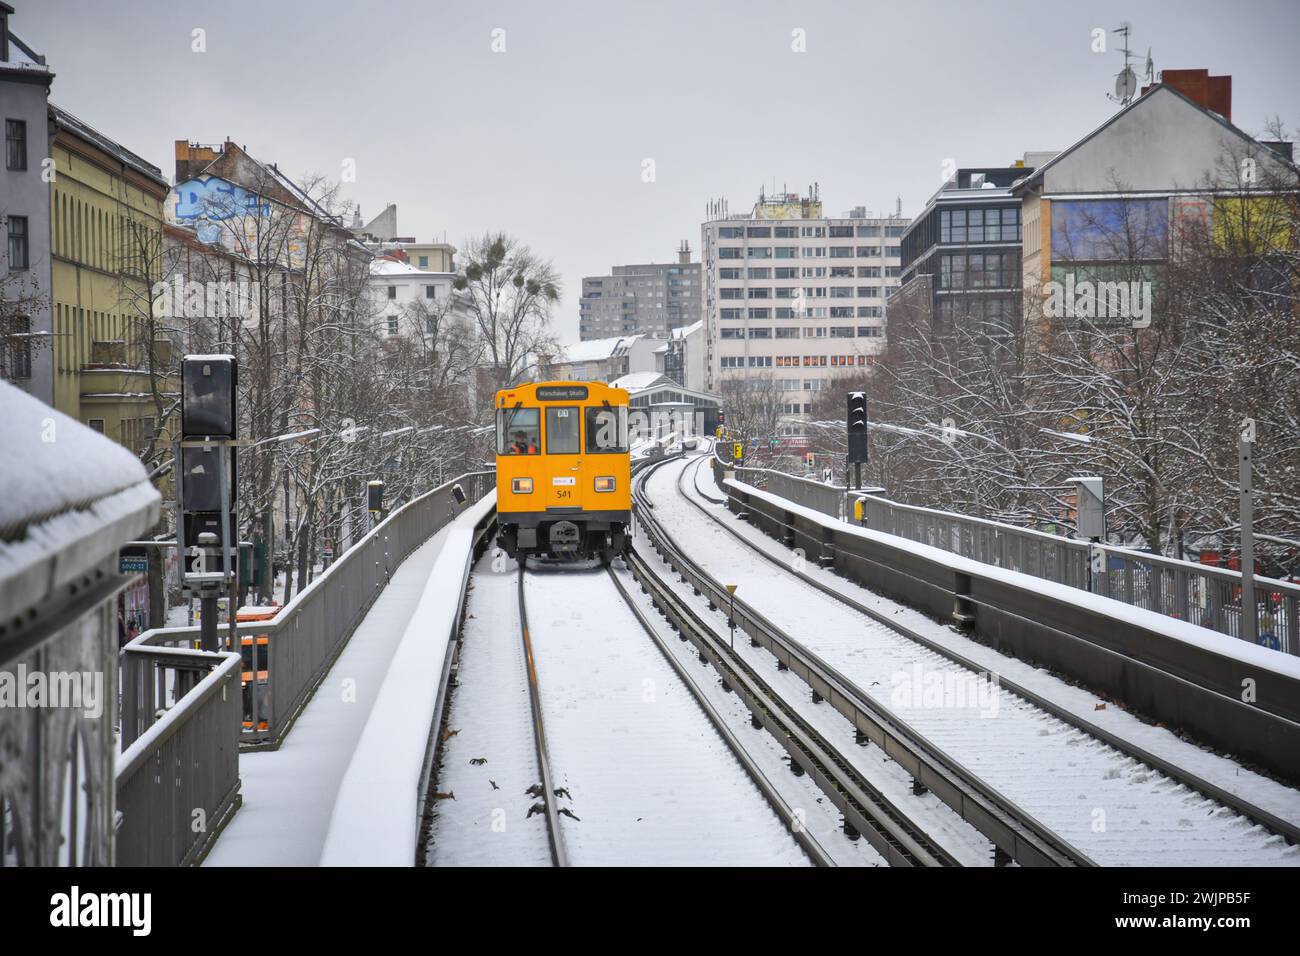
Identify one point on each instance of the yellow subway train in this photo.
(563, 471)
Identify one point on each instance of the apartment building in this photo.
(26, 358)
(793, 293)
(651, 298)
(107, 248)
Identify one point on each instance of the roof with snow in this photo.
(682, 331)
(640, 381)
(72, 498)
(595, 349)
(393, 267)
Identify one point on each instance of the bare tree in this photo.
(509, 292)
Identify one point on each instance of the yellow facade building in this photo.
(106, 232)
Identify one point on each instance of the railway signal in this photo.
(857, 434)
(207, 485)
(737, 451)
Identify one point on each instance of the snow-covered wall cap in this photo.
(50, 464)
(216, 357)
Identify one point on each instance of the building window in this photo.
(95, 425)
(729, 252)
(392, 325)
(20, 350)
(760, 313)
(729, 273)
(840, 232)
(759, 232)
(730, 232)
(424, 262)
(760, 252)
(15, 144)
(431, 292)
(17, 242)
(392, 292)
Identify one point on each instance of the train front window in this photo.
(562, 430)
(517, 431)
(607, 431)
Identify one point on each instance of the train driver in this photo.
(522, 444)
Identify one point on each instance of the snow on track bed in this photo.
(645, 772)
(1109, 805)
(492, 720)
(821, 818)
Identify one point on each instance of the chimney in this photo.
(684, 252)
(191, 158)
(1212, 92)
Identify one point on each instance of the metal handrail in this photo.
(163, 674)
(1200, 594)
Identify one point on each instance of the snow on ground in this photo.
(1112, 807)
(648, 777)
(487, 822)
(289, 793)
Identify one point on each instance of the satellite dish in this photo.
(1125, 84)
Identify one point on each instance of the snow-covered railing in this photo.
(308, 632)
(178, 780)
(183, 718)
(1202, 594)
(826, 498)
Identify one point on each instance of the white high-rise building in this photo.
(792, 293)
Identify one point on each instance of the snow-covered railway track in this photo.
(635, 772)
(867, 811)
(1106, 802)
(1014, 833)
(548, 796)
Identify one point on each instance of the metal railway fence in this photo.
(185, 712)
(1198, 593)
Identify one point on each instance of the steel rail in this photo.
(558, 856)
(1270, 821)
(816, 852)
(866, 810)
(1015, 833)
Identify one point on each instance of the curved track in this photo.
(1095, 748)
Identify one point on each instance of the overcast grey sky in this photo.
(547, 139)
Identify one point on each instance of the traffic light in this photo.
(857, 425)
(809, 459)
(722, 417)
(375, 496)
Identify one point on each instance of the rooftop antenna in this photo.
(1151, 68)
(1125, 79)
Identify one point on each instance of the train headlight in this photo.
(604, 484)
(521, 486)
